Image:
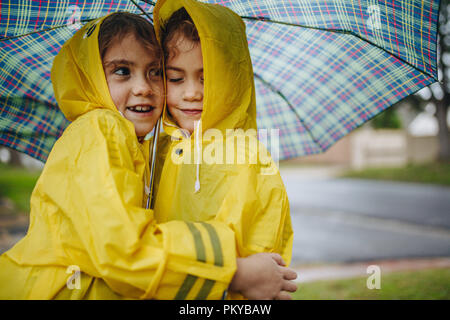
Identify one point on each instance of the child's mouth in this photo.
(141, 109)
(192, 111)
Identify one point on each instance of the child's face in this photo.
(184, 72)
(135, 83)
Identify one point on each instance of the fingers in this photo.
(278, 259)
(289, 286)
(283, 296)
(289, 274)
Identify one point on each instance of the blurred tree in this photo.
(440, 91)
(441, 95)
(388, 119)
(14, 159)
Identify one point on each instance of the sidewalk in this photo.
(354, 270)
(311, 172)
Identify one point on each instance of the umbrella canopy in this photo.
(31, 34)
(322, 67)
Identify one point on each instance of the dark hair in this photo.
(118, 25)
(179, 23)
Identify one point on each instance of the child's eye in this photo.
(155, 73)
(122, 71)
(175, 79)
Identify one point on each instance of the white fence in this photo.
(365, 148)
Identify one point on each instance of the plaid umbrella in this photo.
(322, 67)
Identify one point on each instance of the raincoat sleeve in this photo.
(256, 208)
(106, 232)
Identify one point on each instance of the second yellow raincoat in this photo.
(87, 210)
(202, 178)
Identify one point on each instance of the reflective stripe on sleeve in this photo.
(190, 280)
(215, 243)
(187, 285)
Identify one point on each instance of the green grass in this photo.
(433, 173)
(17, 184)
(431, 284)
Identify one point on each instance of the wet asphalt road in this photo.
(347, 220)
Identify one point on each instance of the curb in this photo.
(354, 270)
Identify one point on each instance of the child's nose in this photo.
(142, 87)
(193, 91)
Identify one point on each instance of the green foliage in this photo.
(388, 119)
(432, 173)
(17, 184)
(432, 284)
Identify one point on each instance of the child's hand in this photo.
(262, 276)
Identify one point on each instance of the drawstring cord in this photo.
(197, 146)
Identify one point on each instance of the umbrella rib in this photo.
(299, 118)
(153, 3)
(142, 10)
(343, 32)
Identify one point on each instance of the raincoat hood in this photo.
(79, 63)
(226, 65)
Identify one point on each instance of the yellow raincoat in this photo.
(203, 177)
(87, 208)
